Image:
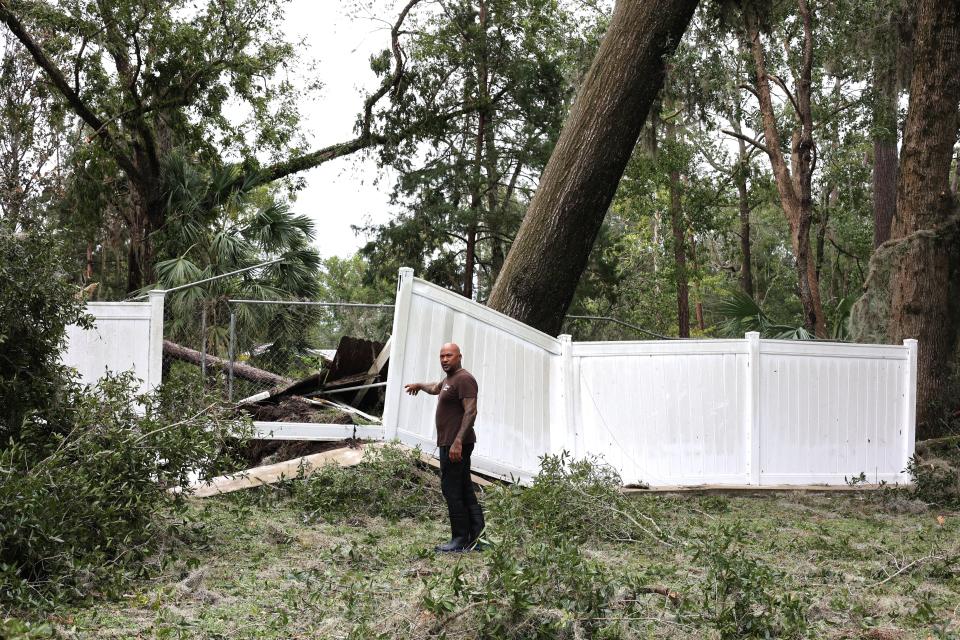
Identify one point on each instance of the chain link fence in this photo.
(243, 347)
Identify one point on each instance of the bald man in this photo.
(456, 413)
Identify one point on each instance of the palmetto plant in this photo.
(741, 314)
(212, 230)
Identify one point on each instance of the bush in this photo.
(84, 472)
(388, 482)
(577, 499)
(935, 471)
(530, 589)
(82, 511)
(741, 596)
(37, 302)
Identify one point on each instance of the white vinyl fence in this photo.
(665, 413)
(126, 336)
(672, 412)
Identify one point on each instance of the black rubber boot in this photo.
(460, 533)
(477, 524)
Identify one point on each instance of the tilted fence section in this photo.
(679, 412)
(126, 336)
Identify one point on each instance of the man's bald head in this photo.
(450, 357)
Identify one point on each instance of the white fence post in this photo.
(563, 424)
(398, 343)
(752, 422)
(155, 350)
(909, 428)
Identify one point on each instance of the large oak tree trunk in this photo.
(913, 290)
(925, 288)
(553, 244)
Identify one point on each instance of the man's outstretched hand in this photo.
(413, 388)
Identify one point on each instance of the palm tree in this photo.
(211, 231)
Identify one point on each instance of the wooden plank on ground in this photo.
(273, 473)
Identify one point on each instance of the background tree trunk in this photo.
(793, 180)
(679, 245)
(925, 284)
(885, 159)
(541, 272)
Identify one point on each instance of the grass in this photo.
(864, 565)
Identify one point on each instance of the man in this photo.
(456, 413)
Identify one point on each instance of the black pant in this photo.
(457, 488)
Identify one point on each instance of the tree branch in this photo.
(366, 137)
(60, 82)
(783, 85)
(759, 145)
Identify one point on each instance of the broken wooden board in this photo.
(374, 371)
(273, 473)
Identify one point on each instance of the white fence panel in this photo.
(665, 413)
(511, 362)
(830, 411)
(685, 412)
(126, 336)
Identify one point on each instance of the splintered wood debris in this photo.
(346, 456)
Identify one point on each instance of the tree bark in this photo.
(740, 171)
(793, 181)
(925, 283)
(240, 370)
(885, 159)
(551, 250)
(679, 245)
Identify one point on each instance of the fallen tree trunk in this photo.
(240, 370)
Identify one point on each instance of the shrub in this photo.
(388, 482)
(741, 596)
(936, 472)
(82, 511)
(37, 302)
(578, 499)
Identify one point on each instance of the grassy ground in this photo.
(862, 565)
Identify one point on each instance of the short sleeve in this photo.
(467, 387)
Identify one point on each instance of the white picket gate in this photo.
(670, 412)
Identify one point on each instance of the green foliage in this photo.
(467, 178)
(387, 483)
(36, 302)
(742, 597)
(531, 589)
(84, 472)
(81, 509)
(936, 474)
(743, 314)
(572, 499)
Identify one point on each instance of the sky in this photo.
(340, 192)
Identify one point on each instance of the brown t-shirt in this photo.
(454, 388)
